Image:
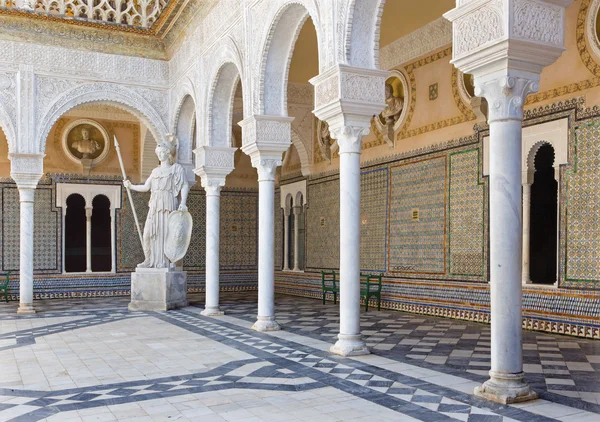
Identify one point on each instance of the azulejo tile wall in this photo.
(238, 240)
(417, 223)
(47, 222)
(466, 215)
(195, 258)
(374, 186)
(323, 224)
(278, 232)
(239, 230)
(582, 262)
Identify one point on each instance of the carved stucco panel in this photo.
(362, 88)
(538, 22)
(478, 28)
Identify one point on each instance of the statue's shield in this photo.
(179, 234)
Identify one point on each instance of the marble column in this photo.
(525, 279)
(26, 197)
(213, 206)
(350, 342)
(297, 212)
(507, 94)
(286, 240)
(88, 239)
(266, 235)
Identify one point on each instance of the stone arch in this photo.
(530, 160)
(363, 23)
(220, 104)
(302, 152)
(104, 93)
(184, 129)
(6, 125)
(277, 54)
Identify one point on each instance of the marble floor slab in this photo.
(92, 359)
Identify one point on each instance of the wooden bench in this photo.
(370, 286)
(4, 287)
(329, 284)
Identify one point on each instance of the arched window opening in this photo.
(101, 235)
(290, 234)
(299, 233)
(75, 235)
(543, 220)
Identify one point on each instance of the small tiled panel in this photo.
(195, 257)
(373, 217)
(323, 224)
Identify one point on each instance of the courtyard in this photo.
(93, 360)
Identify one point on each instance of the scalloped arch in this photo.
(105, 93)
(363, 23)
(7, 126)
(276, 54)
(224, 77)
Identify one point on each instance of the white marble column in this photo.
(507, 93)
(506, 67)
(297, 212)
(350, 342)
(26, 171)
(286, 239)
(88, 239)
(26, 197)
(213, 206)
(525, 276)
(266, 235)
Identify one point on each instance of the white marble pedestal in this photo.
(154, 289)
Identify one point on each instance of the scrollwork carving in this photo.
(478, 28)
(506, 96)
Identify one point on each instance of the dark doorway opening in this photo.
(543, 222)
(75, 235)
(101, 235)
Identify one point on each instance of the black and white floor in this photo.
(91, 359)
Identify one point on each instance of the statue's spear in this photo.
(137, 223)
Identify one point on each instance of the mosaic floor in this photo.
(80, 360)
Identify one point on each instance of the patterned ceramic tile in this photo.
(239, 230)
(466, 215)
(418, 217)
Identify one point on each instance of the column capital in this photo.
(506, 94)
(265, 133)
(212, 184)
(26, 169)
(266, 165)
(349, 138)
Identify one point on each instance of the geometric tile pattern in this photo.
(583, 207)
(408, 381)
(196, 253)
(46, 228)
(554, 365)
(239, 230)
(373, 217)
(466, 215)
(129, 248)
(278, 249)
(418, 217)
(323, 225)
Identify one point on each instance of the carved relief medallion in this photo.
(86, 142)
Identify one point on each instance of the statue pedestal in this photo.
(158, 289)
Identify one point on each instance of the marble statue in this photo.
(391, 113)
(85, 145)
(166, 183)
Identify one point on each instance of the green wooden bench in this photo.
(4, 287)
(329, 284)
(370, 286)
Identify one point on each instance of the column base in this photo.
(506, 388)
(266, 324)
(212, 311)
(26, 309)
(349, 345)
